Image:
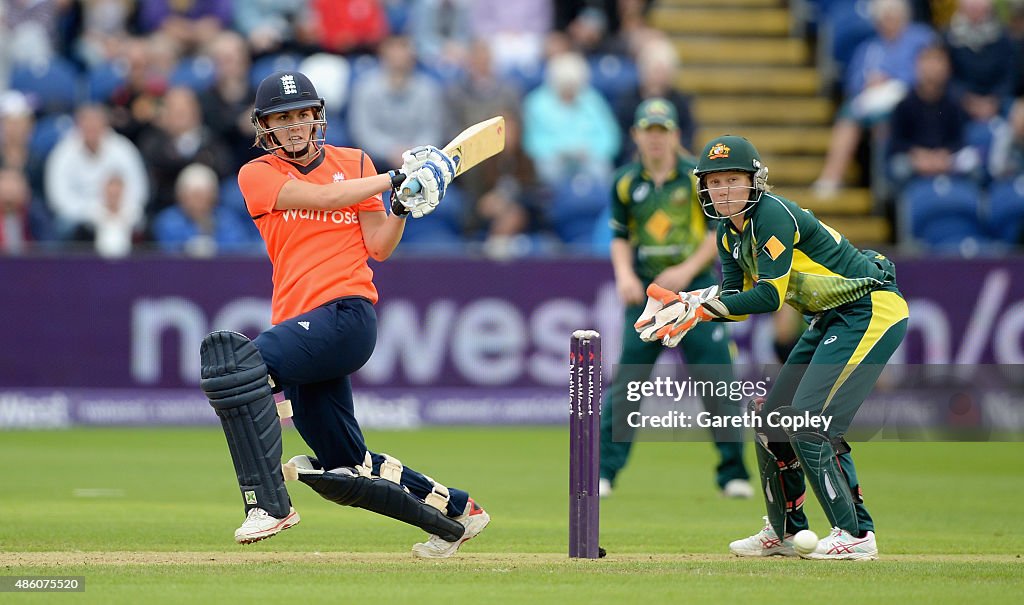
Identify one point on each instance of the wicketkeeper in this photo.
(775, 252)
(660, 236)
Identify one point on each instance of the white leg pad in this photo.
(284, 409)
(438, 496)
(391, 469)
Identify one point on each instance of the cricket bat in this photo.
(473, 145)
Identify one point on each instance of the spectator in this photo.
(478, 95)
(17, 124)
(982, 58)
(658, 65)
(197, 225)
(927, 127)
(1007, 158)
(879, 75)
(568, 127)
(79, 168)
(178, 140)
(22, 220)
(395, 108)
(227, 105)
(115, 220)
(440, 30)
(509, 207)
(346, 26)
(269, 25)
(633, 29)
(1015, 29)
(148, 64)
(515, 30)
(588, 32)
(104, 31)
(28, 30)
(190, 24)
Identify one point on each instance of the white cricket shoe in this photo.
(435, 548)
(604, 487)
(841, 545)
(738, 488)
(764, 543)
(259, 525)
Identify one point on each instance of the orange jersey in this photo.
(318, 255)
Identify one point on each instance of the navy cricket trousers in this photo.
(311, 357)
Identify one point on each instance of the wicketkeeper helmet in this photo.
(730, 153)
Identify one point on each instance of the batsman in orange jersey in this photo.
(320, 211)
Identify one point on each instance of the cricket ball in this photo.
(805, 541)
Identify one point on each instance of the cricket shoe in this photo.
(474, 521)
(604, 487)
(764, 543)
(738, 488)
(841, 545)
(259, 525)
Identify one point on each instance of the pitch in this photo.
(147, 516)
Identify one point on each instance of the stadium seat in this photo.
(438, 232)
(331, 75)
(844, 25)
(52, 87)
(1006, 210)
(48, 132)
(264, 66)
(980, 136)
(360, 66)
(613, 75)
(602, 237)
(102, 80)
(523, 78)
(337, 129)
(575, 208)
(231, 199)
(943, 211)
(197, 73)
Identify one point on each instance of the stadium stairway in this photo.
(750, 72)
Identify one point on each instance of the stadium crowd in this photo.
(123, 124)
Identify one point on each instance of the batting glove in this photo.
(417, 157)
(432, 188)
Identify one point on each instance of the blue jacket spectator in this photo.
(395, 108)
(197, 225)
(927, 127)
(568, 127)
(983, 59)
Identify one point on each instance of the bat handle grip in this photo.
(412, 187)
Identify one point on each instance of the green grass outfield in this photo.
(147, 516)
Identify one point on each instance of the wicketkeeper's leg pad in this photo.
(375, 494)
(820, 461)
(234, 378)
(773, 459)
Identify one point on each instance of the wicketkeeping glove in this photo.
(696, 312)
(668, 315)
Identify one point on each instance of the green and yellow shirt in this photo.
(784, 254)
(665, 225)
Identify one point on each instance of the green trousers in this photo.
(832, 370)
(706, 350)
